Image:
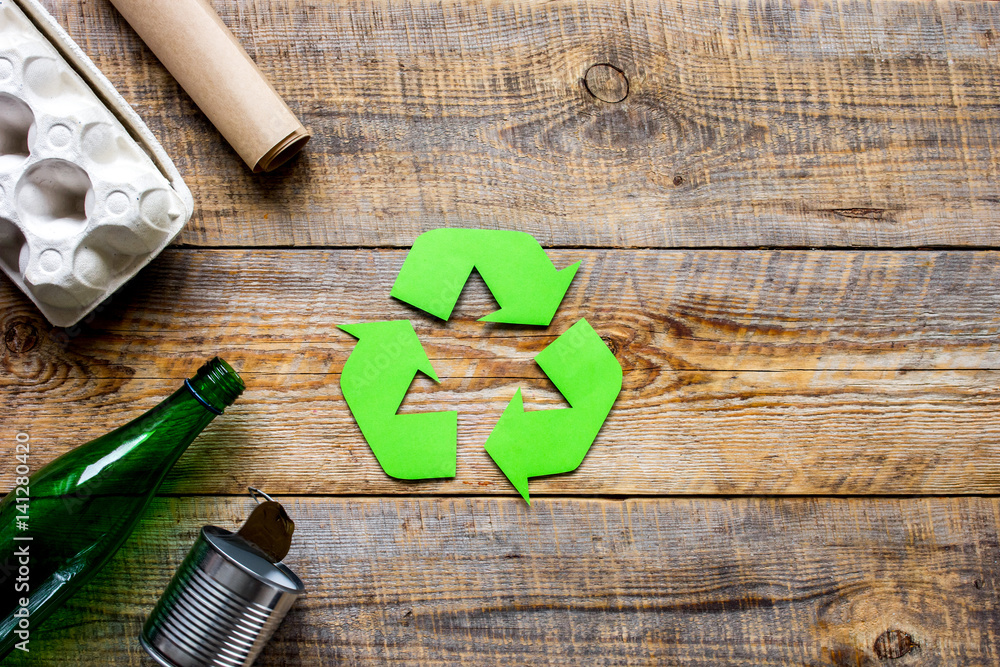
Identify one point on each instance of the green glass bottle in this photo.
(83, 505)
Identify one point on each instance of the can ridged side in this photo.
(221, 607)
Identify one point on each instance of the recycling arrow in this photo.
(546, 442)
(513, 265)
(374, 381)
(528, 289)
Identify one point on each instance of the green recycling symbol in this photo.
(529, 289)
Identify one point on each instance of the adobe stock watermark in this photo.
(18, 567)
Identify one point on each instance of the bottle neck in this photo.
(213, 388)
(216, 385)
(138, 455)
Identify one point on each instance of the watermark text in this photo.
(21, 568)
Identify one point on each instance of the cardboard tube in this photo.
(196, 47)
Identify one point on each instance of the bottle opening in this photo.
(217, 385)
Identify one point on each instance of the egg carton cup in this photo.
(87, 195)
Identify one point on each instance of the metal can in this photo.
(222, 605)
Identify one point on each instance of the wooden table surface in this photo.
(786, 214)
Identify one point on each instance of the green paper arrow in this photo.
(547, 442)
(374, 381)
(521, 277)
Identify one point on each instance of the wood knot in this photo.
(607, 83)
(893, 644)
(21, 336)
(612, 344)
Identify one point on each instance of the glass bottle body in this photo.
(83, 505)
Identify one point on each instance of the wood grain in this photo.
(478, 581)
(746, 123)
(616, 131)
(773, 372)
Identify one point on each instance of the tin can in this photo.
(222, 605)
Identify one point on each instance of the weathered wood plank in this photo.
(686, 310)
(746, 122)
(580, 582)
(745, 372)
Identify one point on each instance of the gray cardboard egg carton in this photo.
(87, 195)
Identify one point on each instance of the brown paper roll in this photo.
(193, 43)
